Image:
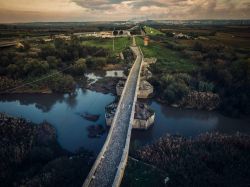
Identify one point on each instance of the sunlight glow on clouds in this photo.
(91, 10)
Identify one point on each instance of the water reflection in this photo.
(71, 100)
(188, 123)
(62, 111)
(43, 102)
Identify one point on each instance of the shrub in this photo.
(205, 86)
(79, 67)
(34, 67)
(96, 63)
(62, 83)
(175, 92)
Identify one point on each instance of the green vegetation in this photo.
(107, 43)
(38, 60)
(168, 60)
(61, 83)
(80, 66)
(171, 72)
(152, 31)
(215, 61)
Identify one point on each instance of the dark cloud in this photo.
(97, 4)
(102, 4)
(139, 4)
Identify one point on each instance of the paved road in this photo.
(106, 170)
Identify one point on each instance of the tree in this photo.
(48, 50)
(175, 92)
(96, 63)
(26, 45)
(52, 61)
(59, 43)
(62, 83)
(205, 86)
(12, 70)
(34, 67)
(198, 46)
(4, 60)
(79, 67)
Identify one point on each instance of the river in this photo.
(62, 111)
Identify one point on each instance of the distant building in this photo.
(181, 36)
(146, 41)
(47, 39)
(63, 36)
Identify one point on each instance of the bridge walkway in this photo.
(105, 169)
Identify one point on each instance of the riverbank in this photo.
(105, 85)
(211, 159)
(195, 100)
(31, 156)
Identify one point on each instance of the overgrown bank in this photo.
(31, 156)
(211, 159)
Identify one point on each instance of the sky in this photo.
(115, 10)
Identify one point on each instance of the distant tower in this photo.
(146, 40)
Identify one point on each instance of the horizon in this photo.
(26, 11)
(115, 21)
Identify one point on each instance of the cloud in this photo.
(88, 10)
(97, 4)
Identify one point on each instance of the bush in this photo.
(53, 62)
(62, 83)
(96, 63)
(205, 86)
(48, 50)
(79, 67)
(198, 46)
(34, 67)
(175, 92)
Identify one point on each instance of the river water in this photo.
(63, 112)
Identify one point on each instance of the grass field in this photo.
(232, 40)
(151, 31)
(107, 43)
(168, 60)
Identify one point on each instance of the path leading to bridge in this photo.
(110, 164)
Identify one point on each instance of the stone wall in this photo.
(145, 90)
(144, 124)
(137, 123)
